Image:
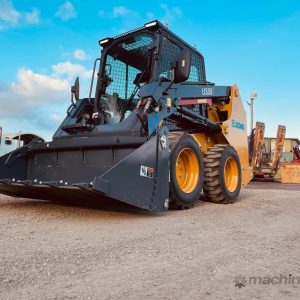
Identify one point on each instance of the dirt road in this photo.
(51, 251)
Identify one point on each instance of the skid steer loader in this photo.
(153, 134)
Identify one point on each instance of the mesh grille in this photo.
(118, 72)
(169, 50)
(197, 73)
(127, 59)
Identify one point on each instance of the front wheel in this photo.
(186, 171)
(223, 176)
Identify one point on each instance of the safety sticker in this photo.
(146, 172)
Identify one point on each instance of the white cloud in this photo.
(8, 12)
(35, 85)
(80, 54)
(170, 13)
(10, 17)
(127, 18)
(70, 71)
(120, 11)
(31, 90)
(37, 102)
(34, 90)
(123, 12)
(33, 17)
(66, 11)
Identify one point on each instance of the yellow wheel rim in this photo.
(231, 174)
(187, 170)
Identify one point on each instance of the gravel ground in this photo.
(54, 251)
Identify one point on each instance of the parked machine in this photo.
(12, 141)
(155, 134)
(265, 165)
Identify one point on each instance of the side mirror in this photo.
(182, 66)
(75, 89)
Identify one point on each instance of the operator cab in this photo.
(133, 59)
(128, 61)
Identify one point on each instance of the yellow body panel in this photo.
(234, 131)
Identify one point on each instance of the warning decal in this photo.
(146, 172)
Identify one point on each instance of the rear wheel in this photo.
(222, 181)
(186, 171)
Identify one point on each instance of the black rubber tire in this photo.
(178, 198)
(214, 188)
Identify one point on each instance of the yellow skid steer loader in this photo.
(154, 133)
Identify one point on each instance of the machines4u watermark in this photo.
(281, 279)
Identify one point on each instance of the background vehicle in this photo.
(265, 164)
(12, 141)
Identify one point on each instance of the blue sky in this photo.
(44, 45)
